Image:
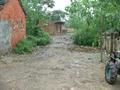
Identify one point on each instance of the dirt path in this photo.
(58, 66)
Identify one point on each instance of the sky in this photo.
(61, 4)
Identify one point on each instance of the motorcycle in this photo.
(112, 69)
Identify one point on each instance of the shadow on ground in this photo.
(117, 85)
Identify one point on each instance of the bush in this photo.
(86, 37)
(36, 38)
(24, 46)
(44, 39)
(33, 39)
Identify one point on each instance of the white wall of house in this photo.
(5, 36)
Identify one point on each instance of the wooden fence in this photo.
(111, 41)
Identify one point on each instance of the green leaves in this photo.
(57, 15)
(87, 16)
(36, 13)
(36, 38)
(36, 9)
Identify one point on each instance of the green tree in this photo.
(87, 16)
(57, 15)
(36, 11)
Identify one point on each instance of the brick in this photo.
(12, 11)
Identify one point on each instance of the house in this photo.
(55, 28)
(12, 24)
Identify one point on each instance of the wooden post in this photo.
(112, 38)
(101, 50)
(105, 40)
(101, 37)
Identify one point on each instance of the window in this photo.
(2, 2)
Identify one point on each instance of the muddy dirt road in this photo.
(57, 66)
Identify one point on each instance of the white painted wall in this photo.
(5, 36)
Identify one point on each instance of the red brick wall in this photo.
(13, 12)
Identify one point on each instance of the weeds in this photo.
(36, 38)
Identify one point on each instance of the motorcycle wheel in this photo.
(111, 74)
